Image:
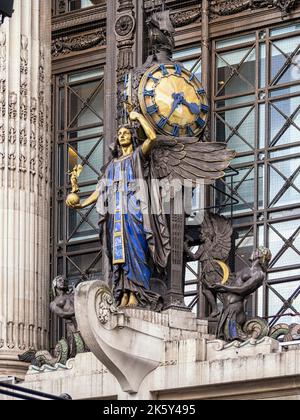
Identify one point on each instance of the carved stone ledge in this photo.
(66, 45)
(228, 7)
(184, 18)
(70, 21)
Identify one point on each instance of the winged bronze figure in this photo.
(213, 253)
(189, 158)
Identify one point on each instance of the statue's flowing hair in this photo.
(55, 282)
(116, 148)
(265, 256)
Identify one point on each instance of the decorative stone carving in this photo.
(228, 7)
(33, 141)
(133, 342)
(2, 74)
(179, 19)
(2, 103)
(285, 332)
(12, 137)
(105, 307)
(65, 45)
(25, 94)
(124, 25)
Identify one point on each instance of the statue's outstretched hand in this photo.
(72, 205)
(134, 116)
(218, 288)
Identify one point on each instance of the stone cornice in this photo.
(65, 45)
(229, 7)
(70, 22)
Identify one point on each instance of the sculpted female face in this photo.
(124, 137)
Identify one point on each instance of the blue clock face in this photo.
(173, 101)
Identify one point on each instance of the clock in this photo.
(173, 100)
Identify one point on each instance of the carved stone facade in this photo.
(67, 44)
(124, 28)
(229, 7)
(25, 146)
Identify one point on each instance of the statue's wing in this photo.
(190, 159)
(217, 235)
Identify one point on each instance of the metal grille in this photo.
(257, 113)
(79, 133)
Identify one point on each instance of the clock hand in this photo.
(178, 97)
(194, 108)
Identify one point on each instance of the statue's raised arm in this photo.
(149, 132)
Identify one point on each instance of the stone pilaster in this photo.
(25, 144)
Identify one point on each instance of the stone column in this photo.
(25, 148)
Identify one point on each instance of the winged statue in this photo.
(213, 253)
(135, 237)
(163, 109)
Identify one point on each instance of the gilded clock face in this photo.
(173, 101)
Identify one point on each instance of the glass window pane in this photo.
(262, 65)
(244, 243)
(282, 130)
(286, 91)
(79, 4)
(284, 274)
(281, 70)
(261, 186)
(185, 53)
(88, 153)
(278, 236)
(276, 304)
(238, 131)
(61, 113)
(79, 264)
(60, 220)
(236, 72)
(240, 188)
(86, 103)
(194, 66)
(285, 213)
(85, 75)
(285, 152)
(224, 103)
(281, 192)
(88, 132)
(262, 126)
(224, 43)
(61, 166)
(285, 30)
(81, 228)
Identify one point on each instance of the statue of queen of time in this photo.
(135, 238)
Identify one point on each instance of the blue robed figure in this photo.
(134, 238)
(133, 227)
(134, 235)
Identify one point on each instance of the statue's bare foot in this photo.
(215, 314)
(125, 300)
(132, 300)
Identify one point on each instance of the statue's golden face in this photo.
(124, 137)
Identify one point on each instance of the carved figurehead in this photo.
(63, 303)
(233, 323)
(161, 34)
